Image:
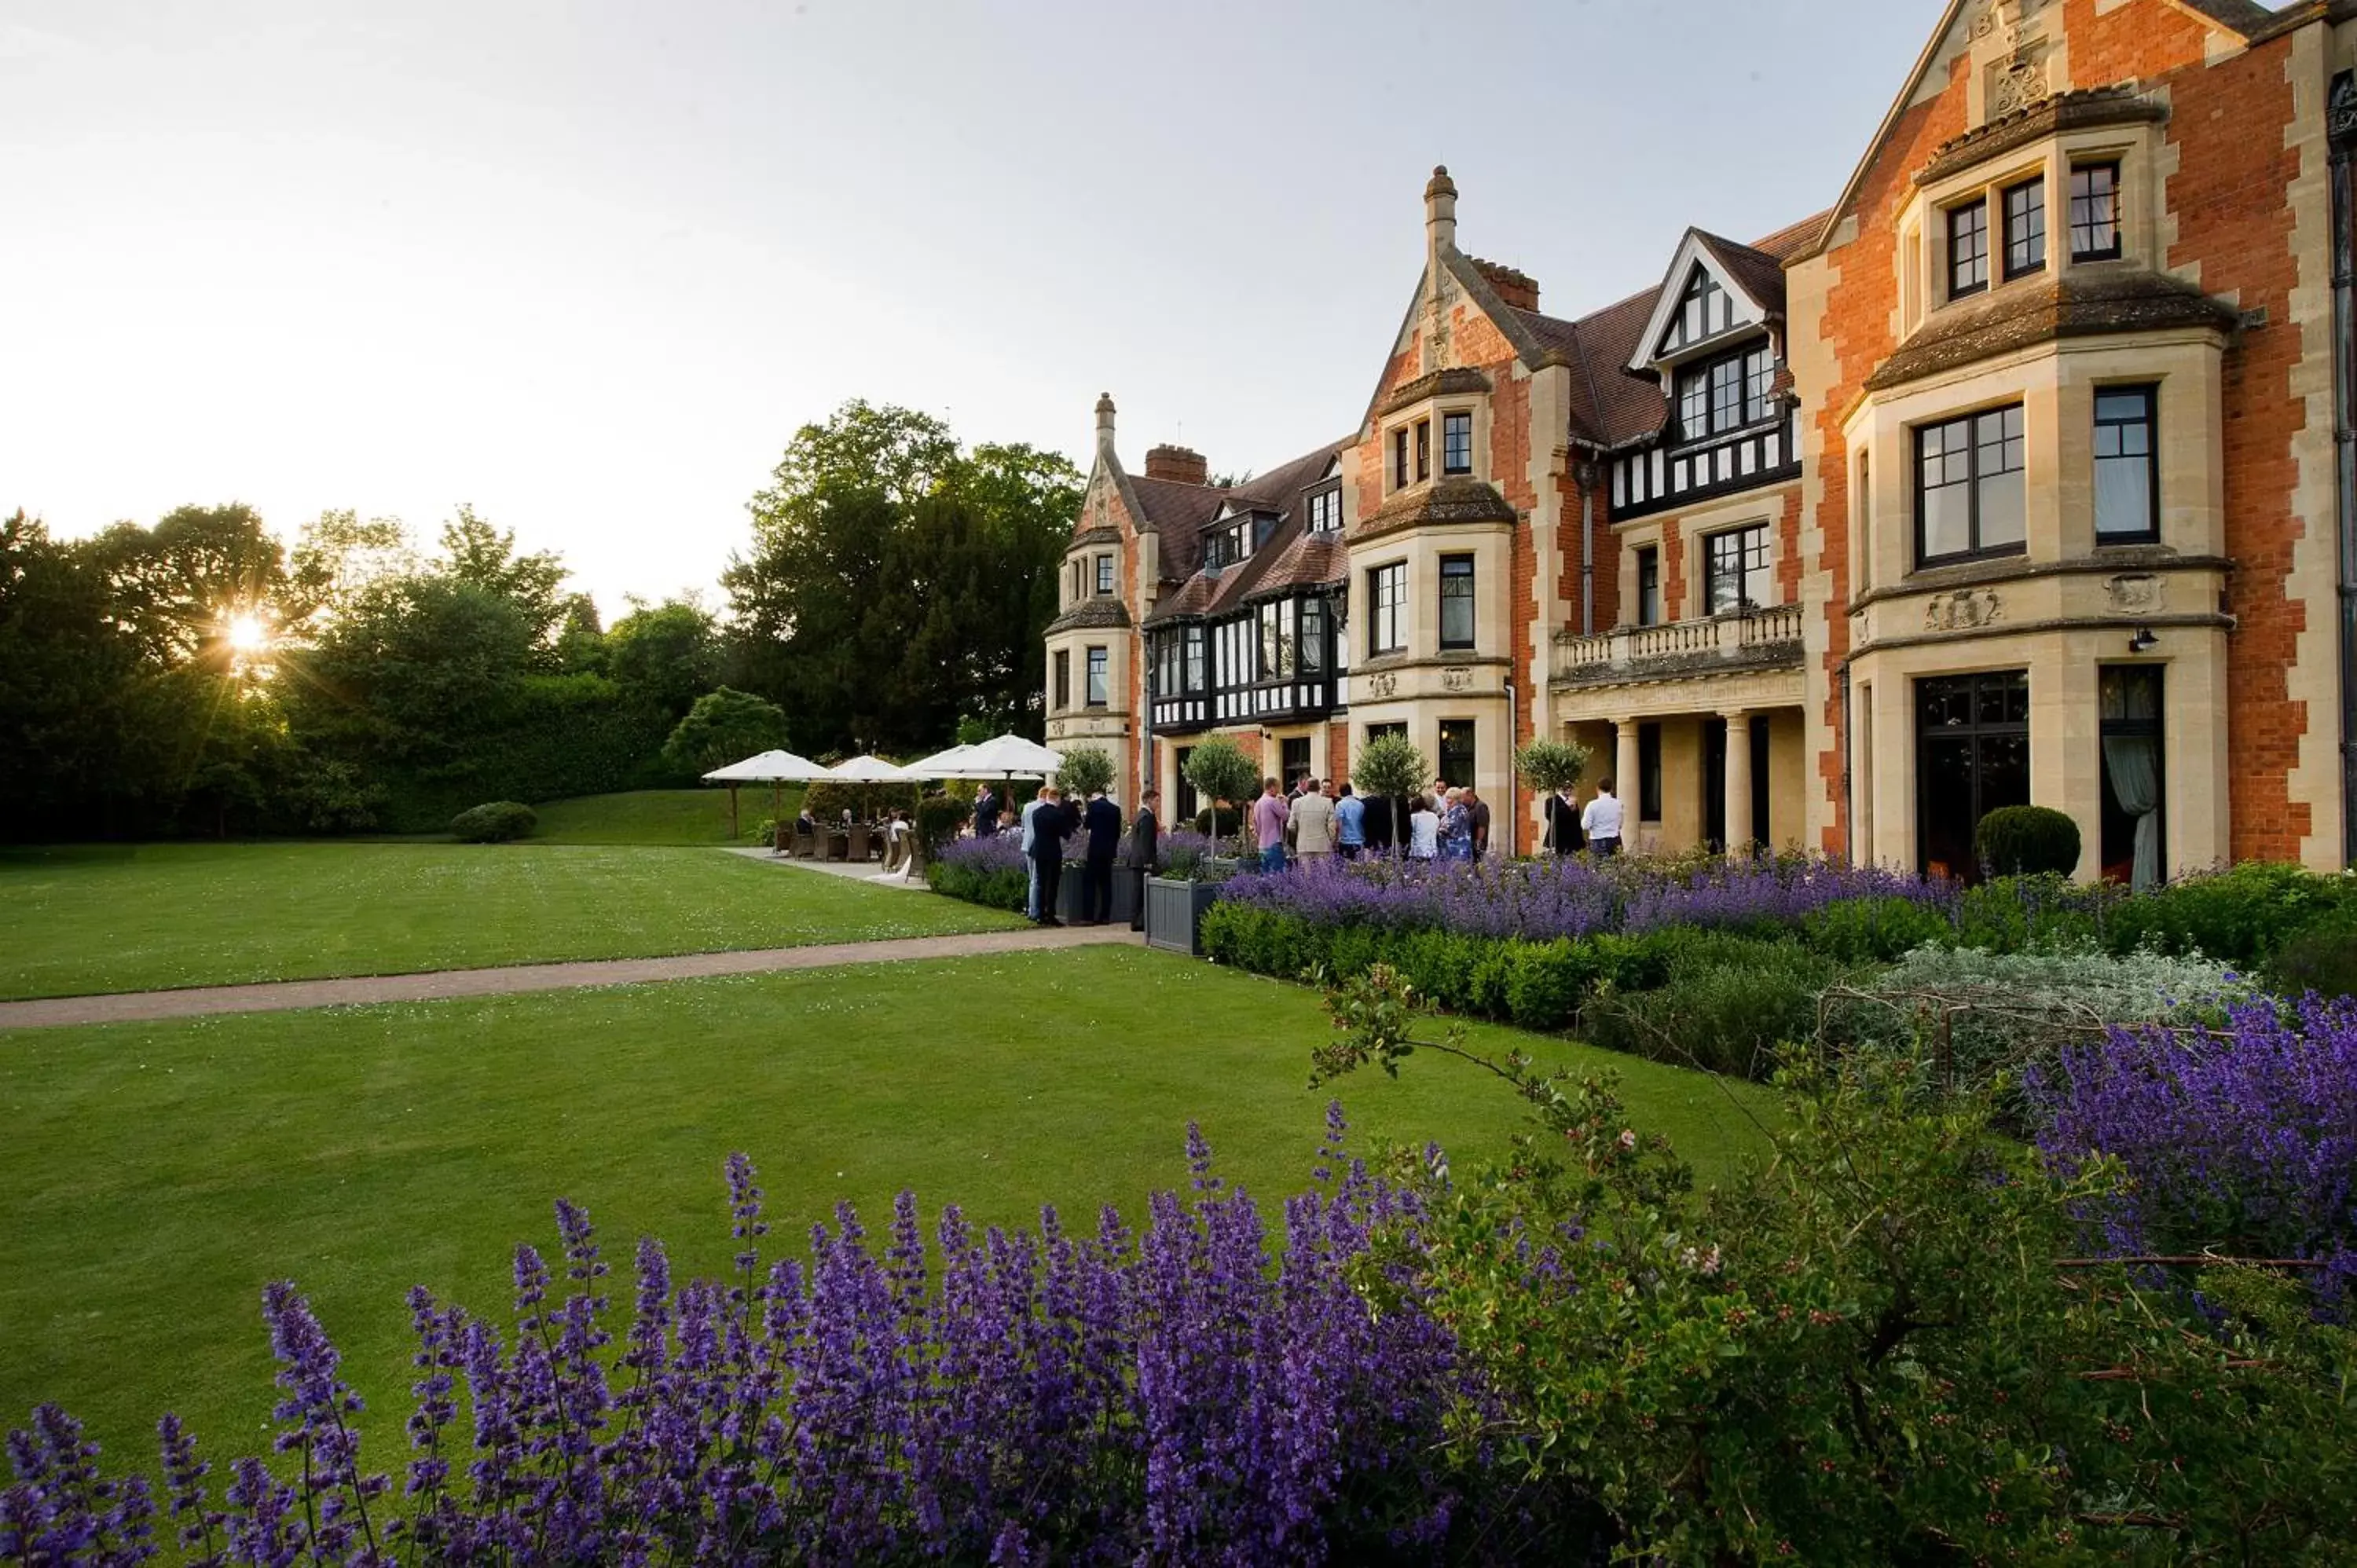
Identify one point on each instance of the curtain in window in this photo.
(2134, 762)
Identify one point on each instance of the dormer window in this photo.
(2095, 212)
(1456, 442)
(2024, 227)
(1104, 575)
(1702, 310)
(1326, 510)
(1727, 393)
(1968, 249)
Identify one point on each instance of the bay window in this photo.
(1969, 497)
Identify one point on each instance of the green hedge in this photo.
(1537, 985)
(2243, 916)
(494, 821)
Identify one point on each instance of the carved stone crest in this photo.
(1380, 686)
(1456, 679)
(2020, 85)
(1963, 610)
(2135, 595)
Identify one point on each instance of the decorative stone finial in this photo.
(1440, 209)
(1104, 419)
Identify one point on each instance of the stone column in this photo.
(1739, 829)
(1624, 776)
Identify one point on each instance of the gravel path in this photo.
(139, 1007)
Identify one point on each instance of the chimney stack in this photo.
(1180, 465)
(1104, 422)
(1516, 287)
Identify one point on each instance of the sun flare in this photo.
(247, 634)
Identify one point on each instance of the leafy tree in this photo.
(175, 587)
(664, 656)
(65, 672)
(336, 555)
(895, 587)
(1547, 766)
(724, 727)
(1087, 770)
(1391, 766)
(1220, 771)
(475, 553)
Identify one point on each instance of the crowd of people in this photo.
(1322, 819)
(1048, 825)
(1318, 820)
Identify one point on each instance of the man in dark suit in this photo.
(985, 812)
(1379, 824)
(1144, 855)
(1563, 823)
(1103, 821)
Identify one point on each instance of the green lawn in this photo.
(154, 1176)
(659, 816)
(137, 918)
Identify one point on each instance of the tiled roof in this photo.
(1178, 511)
(2082, 302)
(1755, 272)
(1281, 561)
(1611, 405)
(1099, 610)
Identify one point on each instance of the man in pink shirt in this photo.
(1269, 815)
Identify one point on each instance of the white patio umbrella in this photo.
(940, 765)
(771, 768)
(870, 769)
(1007, 756)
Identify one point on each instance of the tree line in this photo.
(201, 675)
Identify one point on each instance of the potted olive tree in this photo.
(1390, 769)
(1175, 902)
(1086, 770)
(1547, 766)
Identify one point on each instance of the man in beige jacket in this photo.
(1313, 823)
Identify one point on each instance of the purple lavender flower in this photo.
(2246, 1143)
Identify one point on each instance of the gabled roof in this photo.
(2242, 17)
(1612, 405)
(1280, 561)
(1753, 282)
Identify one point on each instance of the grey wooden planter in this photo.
(1174, 914)
(1072, 895)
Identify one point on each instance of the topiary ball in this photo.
(2026, 841)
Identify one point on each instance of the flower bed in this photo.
(1044, 1396)
(991, 872)
(1542, 899)
(2242, 1139)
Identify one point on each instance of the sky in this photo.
(588, 266)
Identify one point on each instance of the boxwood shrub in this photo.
(1533, 984)
(2024, 841)
(495, 821)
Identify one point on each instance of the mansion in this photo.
(2023, 473)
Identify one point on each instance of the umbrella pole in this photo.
(732, 813)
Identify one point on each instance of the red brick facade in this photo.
(1587, 430)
